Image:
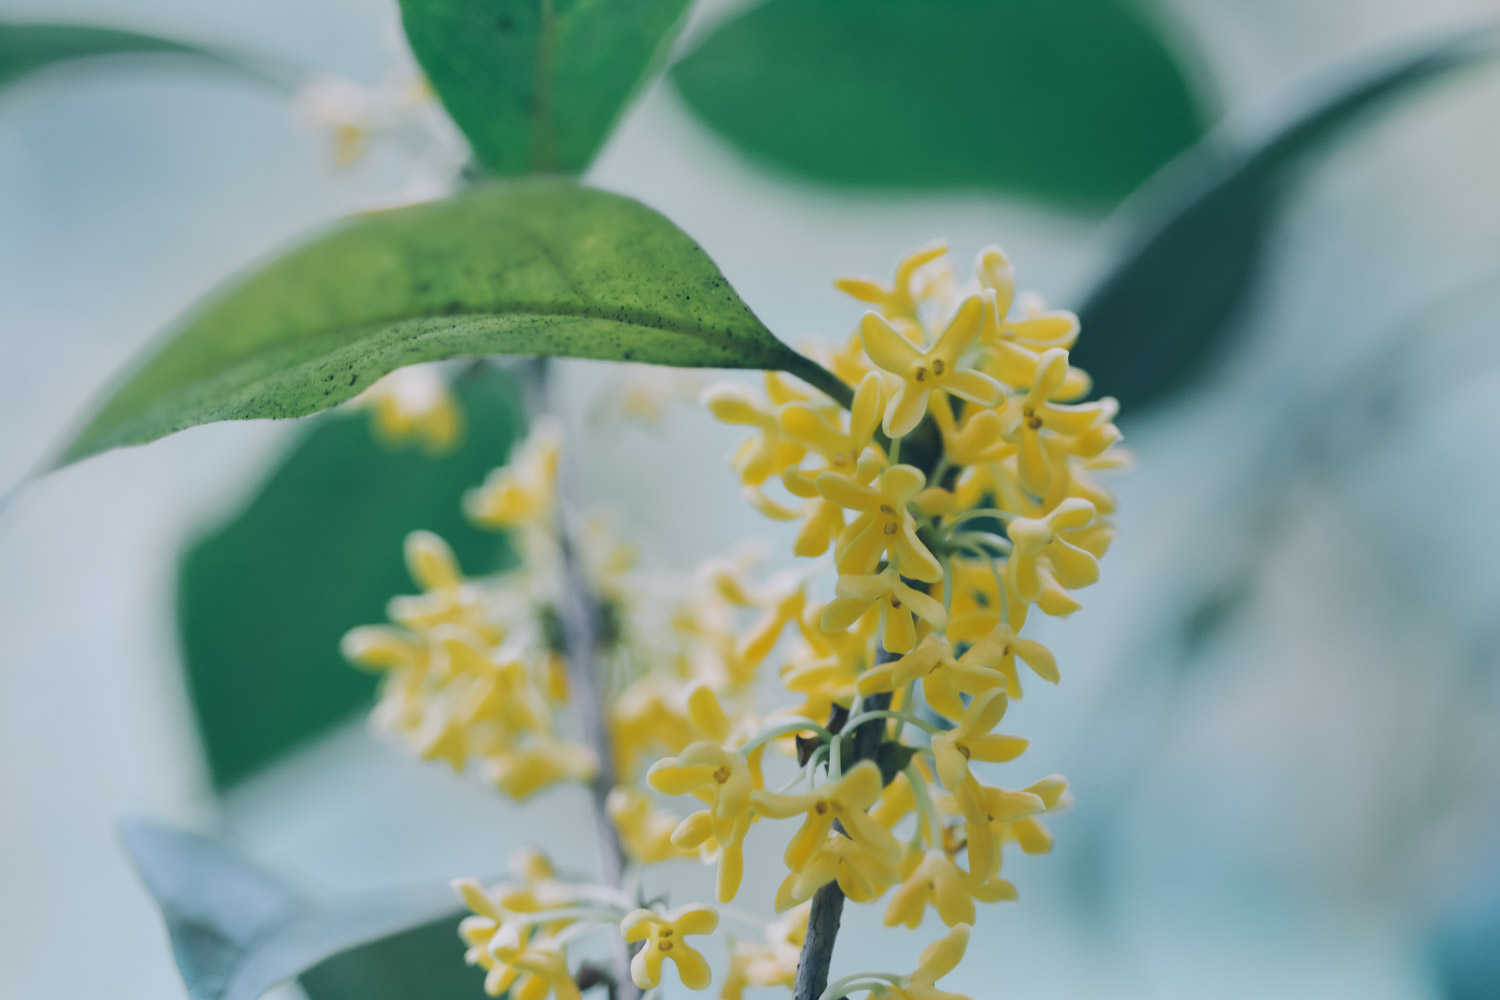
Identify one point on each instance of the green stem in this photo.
(815, 375)
(926, 811)
(891, 713)
(794, 726)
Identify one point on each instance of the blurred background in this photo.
(1278, 709)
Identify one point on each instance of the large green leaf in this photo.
(1166, 309)
(237, 930)
(264, 598)
(1074, 100)
(535, 85)
(538, 267)
(426, 962)
(27, 48)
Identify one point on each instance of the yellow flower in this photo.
(502, 690)
(1035, 419)
(780, 606)
(921, 372)
(414, 404)
(1049, 541)
(900, 301)
(512, 959)
(767, 453)
(724, 780)
(975, 440)
(844, 800)
(938, 959)
(772, 962)
(854, 595)
(943, 677)
(382, 647)
(972, 739)
(645, 831)
(1037, 329)
(999, 649)
(845, 452)
(651, 712)
(1012, 816)
(446, 598)
(539, 969)
(524, 490)
(978, 604)
(930, 878)
(665, 938)
(698, 832)
(524, 769)
(952, 751)
(821, 428)
(862, 872)
(884, 525)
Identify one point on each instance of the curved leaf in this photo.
(540, 267)
(1074, 100)
(263, 599)
(237, 930)
(535, 85)
(1196, 232)
(27, 48)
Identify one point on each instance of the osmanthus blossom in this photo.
(413, 405)
(955, 500)
(920, 373)
(937, 960)
(663, 938)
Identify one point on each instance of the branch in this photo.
(580, 615)
(828, 902)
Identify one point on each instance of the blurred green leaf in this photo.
(1165, 310)
(27, 48)
(537, 267)
(237, 930)
(536, 85)
(264, 598)
(1073, 100)
(425, 962)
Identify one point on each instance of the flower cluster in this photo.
(955, 498)
(470, 675)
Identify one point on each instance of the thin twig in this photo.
(580, 615)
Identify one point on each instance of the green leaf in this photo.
(1073, 100)
(539, 267)
(426, 962)
(264, 598)
(27, 48)
(237, 930)
(1159, 317)
(536, 85)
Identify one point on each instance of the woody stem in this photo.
(828, 902)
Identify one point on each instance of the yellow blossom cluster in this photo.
(954, 495)
(469, 676)
(940, 560)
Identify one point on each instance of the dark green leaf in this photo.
(1164, 311)
(28, 48)
(539, 267)
(536, 85)
(1074, 100)
(263, 599)
(237, 930)
(425, 962)
(892, 759)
